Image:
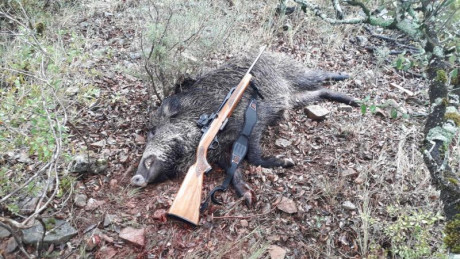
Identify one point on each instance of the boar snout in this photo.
(147, 171)
(138, 180)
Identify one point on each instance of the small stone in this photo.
(359, 180)
(135, 236)
(4, 233)
(244, 223)
(316, 112)
(28, 205)
(11, 245)
(276, 252)
(287, 205)
(348, 205)
(80, 164)
(113, 183)
(80, 200)
(84, 24)
(24, 158)
(72, 90)
(108, 219)
(349, 172)
(362, 41)
(106, 252)
(139, 139)
(100, 143)
(281, 142)
(93, 204)
(62, 232)
(135, 55)
(111, 141)
(345, 108)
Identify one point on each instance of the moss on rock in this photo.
(452, 231)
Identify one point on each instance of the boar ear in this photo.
(184, 84)
(171, 107)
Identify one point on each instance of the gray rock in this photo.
(345, 108)
(135, 55)
(11, 245)
(93, 204)
(454, 256)
(348, 205)
(80, 164)
(108, 219)
(24, 158)
(88, 64)
(362, 41)
(121, 42)
(80, 200)
(316, 112)
(60, 233)
(72, 90)
(281, 142)
(27, 205)
(4, 233)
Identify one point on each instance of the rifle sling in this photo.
(239, 150)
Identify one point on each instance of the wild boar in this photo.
(174, 135)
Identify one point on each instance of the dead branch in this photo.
(318, 12)
(17, 238)
(338, 9)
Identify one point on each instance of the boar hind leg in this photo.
(255, 156)
(242, 188)
(307, 97)
(311, 80)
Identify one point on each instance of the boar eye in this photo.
(150, 133)
(148, 163)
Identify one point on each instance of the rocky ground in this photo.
(356, 176)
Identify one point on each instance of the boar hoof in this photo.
(288, 162)
(138, 180)
(285, 162)
(249, 198)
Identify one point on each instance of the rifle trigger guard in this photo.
(214, 143)
(219, 188)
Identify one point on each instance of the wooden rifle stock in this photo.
(186, 205)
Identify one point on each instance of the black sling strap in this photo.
(239, 150)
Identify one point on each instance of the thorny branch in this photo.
(56, 120)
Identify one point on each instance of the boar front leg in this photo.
(243, 189)
(255, 156)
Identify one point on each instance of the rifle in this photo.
(185, 206)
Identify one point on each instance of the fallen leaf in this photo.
(276, 252)
(287, 205)
(160, 215)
